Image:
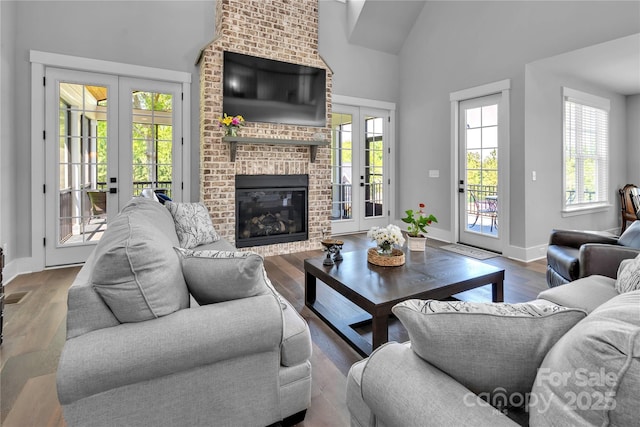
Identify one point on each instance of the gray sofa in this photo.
(148, 354)
(589, 376)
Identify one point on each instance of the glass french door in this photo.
(359, 169)
(151, 128)
(80, 148)
(102, 132)
(479, 211)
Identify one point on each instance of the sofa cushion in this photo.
(192, 224)
(215, 276)
(592, 375)
(586, 293)
(218, 245)
(631, 236)
(136, 271)
(628, 277)
(493, 349)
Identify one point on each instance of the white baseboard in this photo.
(16, 267)
(517, 253)
(529, 254)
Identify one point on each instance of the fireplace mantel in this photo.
(235, 140)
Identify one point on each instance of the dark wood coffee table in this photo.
(432, 274)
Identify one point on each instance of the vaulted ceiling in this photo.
(382, 25)
(614, 64)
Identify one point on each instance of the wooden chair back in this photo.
(629, 204)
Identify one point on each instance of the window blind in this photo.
(586, 149)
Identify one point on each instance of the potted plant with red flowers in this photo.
(417, 229)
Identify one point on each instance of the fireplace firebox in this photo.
(271, 209)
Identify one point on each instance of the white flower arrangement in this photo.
(387, 236)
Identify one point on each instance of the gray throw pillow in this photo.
(192, 223)
(214, 276)
(628, 278)
(156, 214)
(493, 349)
(136, 272)
(592, 375)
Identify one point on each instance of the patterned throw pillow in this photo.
(214, 276)
(628, 275)
(193, 224)
(494, 349)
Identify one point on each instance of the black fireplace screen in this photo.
(271, 209)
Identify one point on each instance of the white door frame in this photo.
(39, 62)
(389, 166)
(503, 87)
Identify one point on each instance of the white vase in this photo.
(416, 243)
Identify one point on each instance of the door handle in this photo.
(113, 190)
(460, 190)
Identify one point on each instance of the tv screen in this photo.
(264, 90)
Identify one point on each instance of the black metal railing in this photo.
(158, 186)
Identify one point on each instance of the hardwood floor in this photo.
(35, 331)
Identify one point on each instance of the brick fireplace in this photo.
(283, 30)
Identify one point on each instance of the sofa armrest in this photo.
(134, 352)
(403, 389)
(602, 259)
(576, 238)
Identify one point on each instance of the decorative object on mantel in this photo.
(333, 246)
(230, 124)
(418, 224)
(385, 254)
(235, 140)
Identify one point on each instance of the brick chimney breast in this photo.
(283, 30)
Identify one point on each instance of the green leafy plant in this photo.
(417, 221)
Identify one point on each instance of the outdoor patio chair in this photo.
(484, 208)
(98, 201)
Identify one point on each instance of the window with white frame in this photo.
(586, 150)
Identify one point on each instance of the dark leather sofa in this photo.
(574, 254)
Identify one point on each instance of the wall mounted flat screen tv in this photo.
(264, 90)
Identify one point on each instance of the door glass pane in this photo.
(481, 137)
(373, 166)
(152, 141)
(81, 131)
(341, 165)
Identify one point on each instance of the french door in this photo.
(106, 139)
(360, 168)
(479, 189)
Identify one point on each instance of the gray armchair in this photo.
(574, 254)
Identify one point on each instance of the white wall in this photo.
(543, 154)
(633, 139)
(357, 71)
(8, 190)
(161, 34)
(458, 45)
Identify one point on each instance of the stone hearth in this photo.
(283, 30)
